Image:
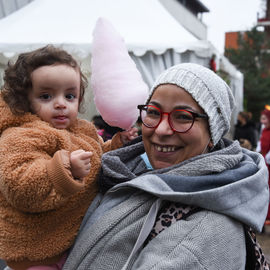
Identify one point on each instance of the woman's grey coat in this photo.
(230, 185)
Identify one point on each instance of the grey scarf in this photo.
(125, 164)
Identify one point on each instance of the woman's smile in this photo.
(165, 148)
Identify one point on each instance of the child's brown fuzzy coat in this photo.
(41, 204)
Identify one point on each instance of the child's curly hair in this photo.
(17, 77)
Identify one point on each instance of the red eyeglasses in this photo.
(180, 120)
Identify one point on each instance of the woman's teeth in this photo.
(165, 148)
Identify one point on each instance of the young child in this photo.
(49, 159)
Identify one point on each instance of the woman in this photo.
(265, 146)
(181, 196)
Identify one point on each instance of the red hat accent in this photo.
(266, 113)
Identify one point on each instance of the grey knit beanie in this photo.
(211, 92)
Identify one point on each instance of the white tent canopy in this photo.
(153, 37)
(145, 25)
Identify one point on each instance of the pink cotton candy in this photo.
(117, 84)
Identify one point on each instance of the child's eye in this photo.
(45, 96)
(70, 96)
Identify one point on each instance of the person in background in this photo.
(255, 126)
(212, 63)
(245, 132)
(181, 196)
(104, 130)
(264, 147)
(49, 159)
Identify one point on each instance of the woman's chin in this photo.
(161, 164)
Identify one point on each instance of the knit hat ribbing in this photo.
(211, 92)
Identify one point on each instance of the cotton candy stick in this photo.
(117, 84)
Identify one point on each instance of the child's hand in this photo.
(80, 163)
(129, 135)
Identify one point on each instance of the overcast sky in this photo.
(228, 16)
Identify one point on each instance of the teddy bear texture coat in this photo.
(41, 204)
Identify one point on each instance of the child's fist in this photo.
(80, 163)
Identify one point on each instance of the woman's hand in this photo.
(129, 135)
(80, 163)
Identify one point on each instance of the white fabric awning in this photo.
(145, 26)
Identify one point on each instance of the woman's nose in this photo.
(164, 127)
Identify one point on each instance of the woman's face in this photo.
(264, 120)
(165, 147)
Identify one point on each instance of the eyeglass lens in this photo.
(179, 120)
